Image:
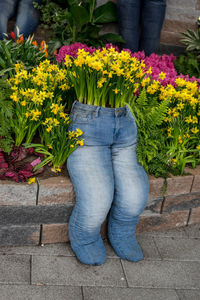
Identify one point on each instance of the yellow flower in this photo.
(71, 146)
(23, 103)
(78, 132)
(116, 91)
(49, 128)
(198, 147)
(162, 75)
(195, 130)
(80, 142)
(31, 180)
(174, 160)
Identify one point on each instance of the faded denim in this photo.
(140, 23)
(27, 17)
(107, 177)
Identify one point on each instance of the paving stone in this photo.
(188, 294)
(54, 233)
(154, 205)
(163, 274)
(100, 293)
(177, 185)
(15, 269)
(172, 38)
(193, 231)
(194, 216)
(176, 232)
(196, 182)
(17, 194)
(68, 271)
(180, 13)
(19, 235)
(43, 214)
(55, 190)
(155, 187)
(149, 221)
(149, 248)
(179, 249)
(21, 292)
(181, 3)
(182, 202)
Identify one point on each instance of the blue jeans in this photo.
(27, 16)
(105, 173)
(140, 23)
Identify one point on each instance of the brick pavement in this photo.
(170, 271)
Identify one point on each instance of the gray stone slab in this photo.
(100, 293)
(179, 249)
(178, 232)
(149, 248)
(19, 235)
(68, 271)
(17, 193)
(61, 249)
(46, 214)
(163, 274)
(15, 269)
(193, 231)
(188, 294)
(21, 292)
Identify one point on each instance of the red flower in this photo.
(12, 35)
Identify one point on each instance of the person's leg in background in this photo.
(130, 195)
(27, 17)
(90, 170)
(7, 11)
(128, 12)
(152, 18)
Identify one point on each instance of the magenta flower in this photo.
(72, 50)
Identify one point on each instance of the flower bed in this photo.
(34, 107)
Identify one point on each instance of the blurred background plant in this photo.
(188, 63)
(17, 49)
(73, 21)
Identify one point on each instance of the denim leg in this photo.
(7, 10)
(27, 17)
(90, 170)
(130, 198)
(153, 14)
(128, 18)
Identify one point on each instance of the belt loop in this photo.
(73, 105)
(97, 111)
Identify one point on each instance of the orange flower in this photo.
(46, 53)
(42, 45)
(34, 43)
(20, 40)
(55, 52)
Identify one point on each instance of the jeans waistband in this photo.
(94, 108)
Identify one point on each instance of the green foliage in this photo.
(5, 116)
(12, 52)
(151, 149)
(78, 21)
(191, 39)
(188, 64)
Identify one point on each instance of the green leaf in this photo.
(80, 15)
(112, 37)
(105, 13)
